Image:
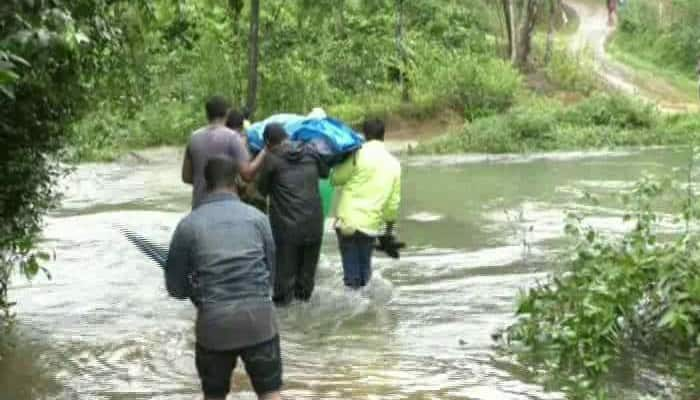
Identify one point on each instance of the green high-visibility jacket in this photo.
(371, 190)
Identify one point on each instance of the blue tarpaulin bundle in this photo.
(332, 139)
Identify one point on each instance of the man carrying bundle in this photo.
(290, 176)
(222, 257)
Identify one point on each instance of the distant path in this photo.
(593, 32)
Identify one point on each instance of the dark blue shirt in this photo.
(222, 257)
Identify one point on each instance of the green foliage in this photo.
(476, 85)
(614, 292)
(40, 92)
(666, 33)
(569, 72)
(602, 120)
(165, 59)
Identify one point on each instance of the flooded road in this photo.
(479, 227)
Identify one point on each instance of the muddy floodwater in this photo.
(480, 228)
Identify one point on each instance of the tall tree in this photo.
(526, 30)
(253, 55)
(553, 7)
(510, 27)
(236, 7)
(340, 19)
(401, 51)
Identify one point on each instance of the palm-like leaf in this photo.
(155, 251)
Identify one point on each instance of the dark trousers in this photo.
(356, 253)
(295, 271)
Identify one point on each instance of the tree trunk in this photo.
(510, 27)
(340, 20)
(401, 51)
(526, 31)
(253, 54)
(553, 6)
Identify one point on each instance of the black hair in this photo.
(274, 134)
(235, 120)
(373, 129)
(220, 172)
(216, 107)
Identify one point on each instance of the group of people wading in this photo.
(236, 264)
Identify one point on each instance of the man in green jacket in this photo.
(369, 203)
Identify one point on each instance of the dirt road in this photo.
(593, 33)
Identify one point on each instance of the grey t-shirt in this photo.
(208, 142)
(222, 257)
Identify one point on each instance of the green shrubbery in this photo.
(665, 33)
(640, 289)
(475, 85)
(44, 48)
(171, 59)
(537, 124)
(573, 73)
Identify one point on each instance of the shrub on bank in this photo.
(538, 124)
(475, 85)
(665, 33)
(636, 290)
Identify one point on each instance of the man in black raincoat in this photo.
(290, 178)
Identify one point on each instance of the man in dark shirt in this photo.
(213, 140)
(290, 176)
(222, 257)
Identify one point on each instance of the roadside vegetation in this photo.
(661, 38)
(353, 58)
(543, 124)
(618, 294)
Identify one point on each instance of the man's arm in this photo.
(269, 248)
(178, 268)
(187, 167)
(341, 174)
(264, 180)
(248, 170)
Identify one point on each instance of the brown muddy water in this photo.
(480, 229)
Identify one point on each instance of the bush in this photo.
(571, 73)
(614, 110)
(173, 59)
(40, 92)
(539, 124)
(614, 292)
(666, 34)
(476, 85)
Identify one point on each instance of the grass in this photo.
(542, 124)
(648, 71)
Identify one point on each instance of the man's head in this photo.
(373, 129)
(235, 120)
(274, 134)
(217, 108)
(220, 174)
